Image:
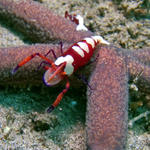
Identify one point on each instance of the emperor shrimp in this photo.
(64, 66)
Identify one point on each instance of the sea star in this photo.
(107, 102)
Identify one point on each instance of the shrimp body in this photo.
(64, 66)
(79, 54)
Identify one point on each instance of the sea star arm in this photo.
(143, 55)
(39, 23)
(138, 64)
(29, 73)
(107, 103)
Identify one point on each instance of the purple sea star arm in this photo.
(143, 55)
(108, 103)
(40, 21)
(29, 74)
(138, 65)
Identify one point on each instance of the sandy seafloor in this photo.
(24, 125)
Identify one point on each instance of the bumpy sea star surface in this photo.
(10, 58)
(108, 97)
(107, 103)
(39, 28)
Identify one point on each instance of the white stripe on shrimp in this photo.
(84, 46)
(69, 60)
(78, 50)
(90, 41)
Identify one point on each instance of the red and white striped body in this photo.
(79, 54)
(76, 56)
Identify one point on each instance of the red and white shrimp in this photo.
(64, 66)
